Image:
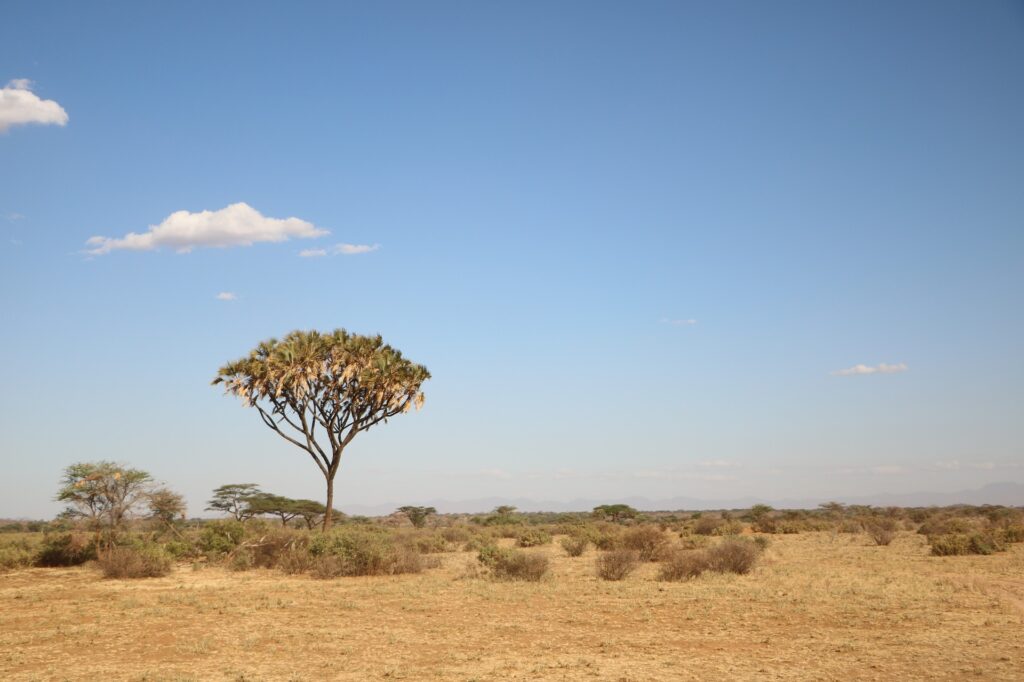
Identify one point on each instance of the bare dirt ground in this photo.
(819, 606)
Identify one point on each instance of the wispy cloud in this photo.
(718, 464)
(354, 249)
(235, 225)
(20, 106)
(14, 217)
(226, 296)
(882, 368)
(339, 250)
(678, 322)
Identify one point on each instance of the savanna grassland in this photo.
(817, 604)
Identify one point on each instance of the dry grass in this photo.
(817, 606)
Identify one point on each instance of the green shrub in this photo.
(1013, 533)
(607, 537)
(734, 527)
(242, 560)
(457, 535)
(511, 564)
(617, 563)
(575, 545)
(762, 542)
(362, 551)
(135, 561)
(532, 537)
(221, 537)
(957, 544)
(66, 549)
(180, 549)
(14, 555)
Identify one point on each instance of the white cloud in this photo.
(12, 217)
(20, 106)
(313, 253)
(678, 322)
(226, 296)
(353, 249)
(867, 369)
(235, 225)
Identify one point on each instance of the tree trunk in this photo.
(330, 503)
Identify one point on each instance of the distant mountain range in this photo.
(1007, 494)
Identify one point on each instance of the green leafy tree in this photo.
(233, 499)
(417, 515)
(759, 511)
(312, 512)
(318, 391)
(103, 493)
(274, 505)
(615, 512)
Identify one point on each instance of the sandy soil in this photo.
(820, 606)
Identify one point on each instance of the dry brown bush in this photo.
(734, 555)
(145, 561)
(649, 542)
(575, 545)
(617, 563)
(683, 565)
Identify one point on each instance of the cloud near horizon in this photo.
(20, 106)
(339, 249)
(882, 368)
(227, 296)
(235, 225)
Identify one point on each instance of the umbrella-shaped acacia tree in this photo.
(317, 391)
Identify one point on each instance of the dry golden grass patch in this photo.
(817, 606)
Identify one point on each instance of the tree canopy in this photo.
(233, 499)
(318, 391)
(417, 515)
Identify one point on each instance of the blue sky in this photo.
(633, 242)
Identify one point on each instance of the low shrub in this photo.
(242, 560)
(66, 549)
(683, 565)
(457, 535)
(733, 555)
(221, 537)
(607, 537)
(649, 542)
(707, 525)
(512, 564)
(533, 537)
(762, 542)
(362, 551)
(617, 563)
(687, 541)
(958, 544)
(135, 561)
(734, 527)
(575, 545)
(882, 531)
(14, 555)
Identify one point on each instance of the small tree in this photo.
(615, 512)
(274, 505)
(104, 493)
(166, 506)
(759, 511)
(318, 391)
(233, 499)
(417, 515)
(311, 512)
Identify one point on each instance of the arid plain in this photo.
(818, 605)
